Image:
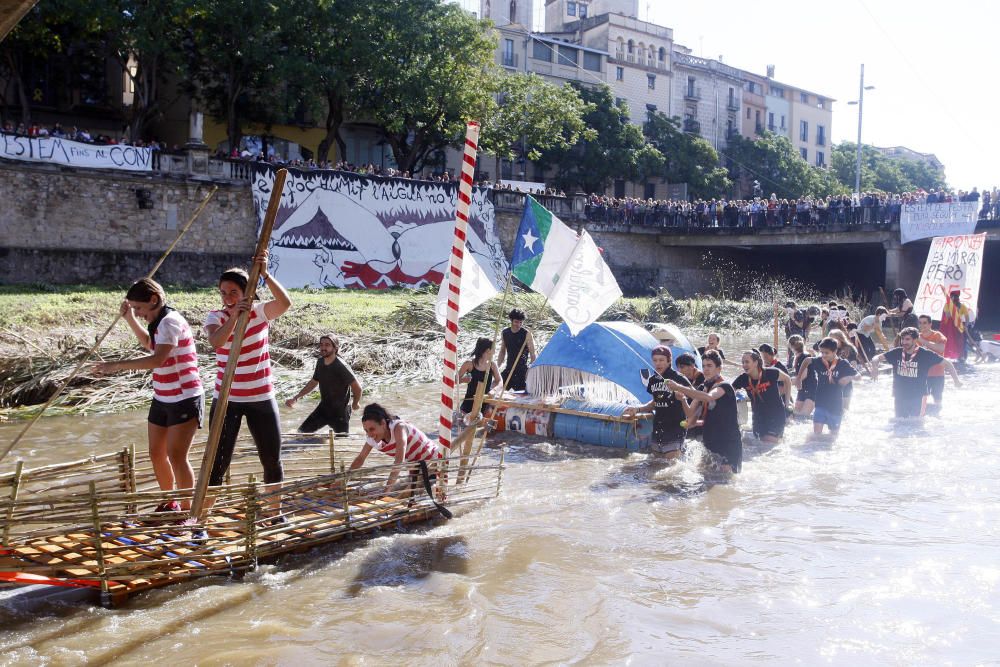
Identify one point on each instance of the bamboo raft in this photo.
(91, 523)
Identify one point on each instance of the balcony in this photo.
(733, 105)
(759, 129)
(732, 134)
(510, 60)
(692, 93)
(771, 127)
(691, 126)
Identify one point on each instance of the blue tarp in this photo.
(616, 351)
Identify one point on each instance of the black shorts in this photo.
(322, 416)
(769, 427)
(165, 415)
(804, 394)
(909, 406)
(935, 387)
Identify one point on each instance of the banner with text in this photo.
(75, 153)
(923, 221)
(953, 263)
(338, 229)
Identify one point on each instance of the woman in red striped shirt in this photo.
(399, 439)
(178, 397)
(252, 392)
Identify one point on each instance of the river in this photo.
(881, 548)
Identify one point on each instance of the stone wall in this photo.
(61, 225)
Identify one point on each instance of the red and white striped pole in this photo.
(454, 279)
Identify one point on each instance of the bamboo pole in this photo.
(250, 516)
(15, 484)
(100, 339)
(99, 547)
(333, 451)
(215, 431)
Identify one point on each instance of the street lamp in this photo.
(861, 110)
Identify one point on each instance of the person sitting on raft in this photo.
(178, 405)
(477, 370)
(669, 426)
(401, 440)
(766, 400)
(720, 422)
(517, 346)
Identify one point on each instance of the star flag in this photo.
(543, 246)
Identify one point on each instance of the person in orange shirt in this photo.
(935, 341)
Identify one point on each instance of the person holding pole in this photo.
(252, 392)
(178, 406)
(517, 346)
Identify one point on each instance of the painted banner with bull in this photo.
(340, 229)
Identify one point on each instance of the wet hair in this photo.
(797, 343)
(909, 331)
(755, 355)
(881, 311)
(714, 357)
(374, 412)
(145, 290)
(516, 314)
(333, 340)
(829, 344)
(236, 275)
(662, 351)
(767, 349)
(685, 360)
(482, 344)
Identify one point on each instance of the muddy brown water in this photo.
(881, 548)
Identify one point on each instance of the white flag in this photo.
(476, 288)
(585, 288)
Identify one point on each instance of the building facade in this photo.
(707, 96)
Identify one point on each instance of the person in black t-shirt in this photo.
(832, 374)
(719, 421)
(765, 397)
(910, 366)
(805, 399)
(686, 367)
(339, 391)
(667, 408)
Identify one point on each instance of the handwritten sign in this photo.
(74, 153)
(953, 263)
(923, 221)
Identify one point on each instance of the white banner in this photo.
(475, 289)
(586, 287)
(74, 153)
(338, 229)
(953, 263)
(923, 221)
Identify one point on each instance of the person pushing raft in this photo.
(517, 347)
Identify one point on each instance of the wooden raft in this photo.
(91, 524)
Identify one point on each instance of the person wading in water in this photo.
(339, 391)
(910, 366)
(765, 396)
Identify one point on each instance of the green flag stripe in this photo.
(525, 271)
(543, 218)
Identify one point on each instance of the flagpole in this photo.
(454, 277)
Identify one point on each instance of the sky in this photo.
(933, 66)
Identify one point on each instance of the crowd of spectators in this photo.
(81, 134)
(871, 208)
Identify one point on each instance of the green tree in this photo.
(617, 151)
(534, 113)
(433, 75)
(773, 161)
(688, 158)
(922, 175)
(879, 172)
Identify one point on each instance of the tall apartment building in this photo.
(707, 96)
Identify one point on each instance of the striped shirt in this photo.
(252, 381)
(418, 446)
(177, 377)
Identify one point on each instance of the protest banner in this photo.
(923, 221)
(54, 150)
(953, 263)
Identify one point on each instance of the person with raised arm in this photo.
(910, 367)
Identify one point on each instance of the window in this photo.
(649, 190)
(820, 102)
(541, 51)
(571, 8)
(805, 153)
(820, 159)
(663, 54)
(651, 108)
(583, 11)
(803, 130)
(651, 81)
(820, 136)
(508, 53)
(631, 47)
(592, 61)
(778, 91)
(513, 11)
(732, 97)
(748, 113)
(804, 98)
(753, 88)
(619, 74)
(782, 122)
(690, 87)
(567, 55)
(770, 120)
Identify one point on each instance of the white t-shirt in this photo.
(252, 381)
(177, 377)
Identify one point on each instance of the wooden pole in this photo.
(100, 339)
(102, 571)
(215, 430)
(15, 483)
